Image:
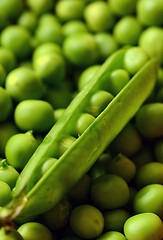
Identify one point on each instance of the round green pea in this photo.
(40, 6)
(122, 8)
(19, 149)
(81, 49)
(11, 8)
(23, 83)
(6, 105)
(58, 113)
(65, 143)
(13, 235)
(17, 39)
(47, 164)
(7, 59)
(91, 221)
(5, 193)
(74, 26)
(28, 20)
(143, 226)
(98, 16)
(112, 235)
(83, 122)
(36, 115)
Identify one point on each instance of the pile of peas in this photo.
(49, 51)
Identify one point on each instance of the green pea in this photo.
(122, 8)
(123, 167)
(57, 217)
(149, 120)
(7, 129)
(117, 80)
(8, 174)
(86, 76)
(106, 44)
(65, 143)
(150, 199)
(143, 156)
(74, 26)
(34, 231)
(2, 75)
(134, 59)
(6, 105)
(81, 49)
(28, 20)
(69, 10)
(5, 193)
(13, 235)
(40, 6)
(158, 150)
(58, 113)
(109, 192)
(91, 221)
(7, 59)
(151, 40)
(143, 226)
(19, 149)
(98, 101)
(50, 68)
(127, 30)
(45, 49)
(128, 141)
(11, 8)
(150, 12)
(112, 235)
(115, 219)
(3, 20)
(23, 83)
(47, 164)
(36, 115)
(15, 37)
(83, 122)
(150, 173)
(98, 16)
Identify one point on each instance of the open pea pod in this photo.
(42, 192)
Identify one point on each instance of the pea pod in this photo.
(42, 192)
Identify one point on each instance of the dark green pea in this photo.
(23, 83)
(115, 219)
(8, 174)
(98, 102)
(83, 122)
(128, 141)
(91, 221)
(98, 16)
(19, 149)
(7, 59)
(2, 75)
(40, 6)
(81, 49)
(74, 26)
(69, 10)
(5, 193)
(13, 235)
(36, 115)
(57, 217)
(122, 166)
(28, 19)
(149, 120)
(11, 8)
(47, 164)
(134, 59)
(106, 44)
(158, 150)
(6, 105)
(127, 30)
(112, 235)
(150, 173)
(150, 199)
(34, 231)
(122, 8)
(58, 113)
(109, 192)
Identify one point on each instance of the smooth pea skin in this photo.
(7, 59)
(19, 149)
(144, 226)
(47, 164)
(28, 19)
(34, 231)
(83, 122)
(5, 193)
(13, 235)
(81, 49)
(40, 6)
(122, 8)
(109, 192)
(91, 221)
(112, 235)
(150, 199)
(11, 8)
(149, 120)
(74, 26)
(134, 59)
(36, 115)
(6, 105)
(23, 83)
